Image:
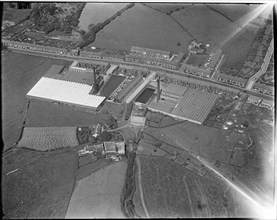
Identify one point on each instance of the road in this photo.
(263, 69)
(154, 68)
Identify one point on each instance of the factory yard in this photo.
(135, 27)
(98, 195)
(48, 138)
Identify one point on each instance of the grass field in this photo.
(145, 27)
(94, 13)
(98, 195)
(20, 72)
(46, 114)
(167, 8)
(48, 138)
(173, 191)
(238, 13)
(204, 24)
(236, 50)
(41, 187)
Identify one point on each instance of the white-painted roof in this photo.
(65, 91)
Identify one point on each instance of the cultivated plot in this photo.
(48, 138)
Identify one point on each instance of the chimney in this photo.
(158, 90)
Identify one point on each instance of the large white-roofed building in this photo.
(61, 91)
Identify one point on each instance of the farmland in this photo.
(145, 27)
(173, 191)
(98, 195)
(94, 13)
(238, 13)
(167, 8)
(48, 138)
(42, 185)
(20, 72)
(204, 24)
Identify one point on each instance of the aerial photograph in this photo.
(138, 109)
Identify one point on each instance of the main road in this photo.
(150, 67)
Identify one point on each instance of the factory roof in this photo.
(195, 105)
(65, 91)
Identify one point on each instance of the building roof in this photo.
(65, 91)
(150, 50)
(79, 76)
(109, 146)
(253, 98)
(111, 69)
(263, 86)
(238, 79)
(54, 70)
(268, 102)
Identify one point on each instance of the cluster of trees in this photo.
(129, 188)
(46, 17)
(90, 36)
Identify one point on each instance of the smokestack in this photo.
(158, 90)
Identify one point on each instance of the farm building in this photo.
(114, 149)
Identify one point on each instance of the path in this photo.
(140, 188)
(263, 69)
(186, 185)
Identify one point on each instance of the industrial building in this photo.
(184, 103)
(72, 87)
(138, 115)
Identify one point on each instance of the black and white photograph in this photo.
(138, 109)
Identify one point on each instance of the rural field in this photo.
(94, 13)
(238, 13)
(145, 27)
(171, 190)
(48, 138)
(98, 195)
(20, 73)
(42, 185)
(205, 24)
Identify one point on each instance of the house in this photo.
(269, 104)
(253, 100)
